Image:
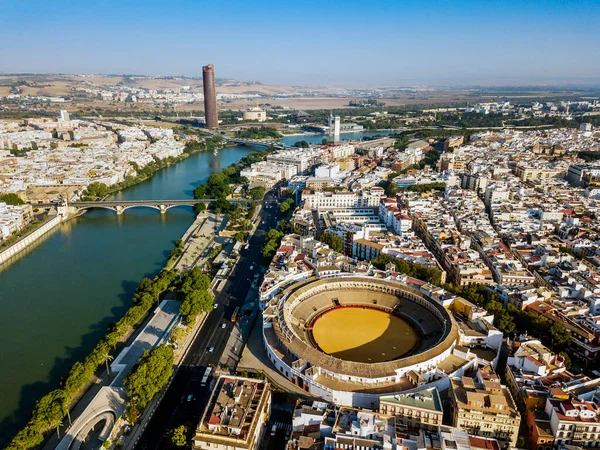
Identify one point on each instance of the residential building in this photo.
(236, 415)
(421, 409)
(485, 407)
(574, 422)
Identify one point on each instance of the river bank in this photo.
(32, 236)
(85, 273)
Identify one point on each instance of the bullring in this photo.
(380, 336)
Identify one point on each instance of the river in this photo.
(58, 299)
(318, 138)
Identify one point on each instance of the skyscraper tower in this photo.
(210, 97)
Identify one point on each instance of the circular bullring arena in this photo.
(348, 332)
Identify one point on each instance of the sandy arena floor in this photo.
(363, 335)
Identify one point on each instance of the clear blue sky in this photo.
(309, 42)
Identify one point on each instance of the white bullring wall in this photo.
(428, 370)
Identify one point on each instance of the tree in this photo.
(97, 189)
(284, 226)
(132, 412)
(324, 141)
(200, 207)
(108, 357)
(286, 206)
(177, 335)
(240, 236)
(150, 374)
(559, 335)
(179, 436)
(567, 359)
(11, 199)
(334, 242)
(222, 206)
(437, 186)
(78, 376)
(301, 144)
(194, 280)
(195, 302)
(28, 437)
(390, 188)
(49, 410)
(504, 322)
(257, 193)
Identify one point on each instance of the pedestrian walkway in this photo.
(109, 403)
(199, 238)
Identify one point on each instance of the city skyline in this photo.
(463, 43)
(311, 225)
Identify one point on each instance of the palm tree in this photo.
(58, 424)
(107, 357)
(66, 403)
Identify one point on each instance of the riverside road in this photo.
(175, 410)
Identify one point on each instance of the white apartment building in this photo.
(342, 151)
(303, 159)
(330, 170)
(267, 173)
(370, 198)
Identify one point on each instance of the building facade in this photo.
(483, 407)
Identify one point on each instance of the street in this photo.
(175, 409)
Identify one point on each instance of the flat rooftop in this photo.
(424, 399)
(151, 335)
(233, 411)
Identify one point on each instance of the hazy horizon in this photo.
(357, 43)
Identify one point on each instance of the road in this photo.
(175, 409)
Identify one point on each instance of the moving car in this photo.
(211, 349)
(273, 430)
(223, 325)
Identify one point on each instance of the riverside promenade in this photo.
(109, 403)
(105, 400)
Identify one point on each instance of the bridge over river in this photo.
(120, 206)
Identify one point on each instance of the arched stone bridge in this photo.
(120, 206)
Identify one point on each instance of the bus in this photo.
(205, 377)
(234, 316)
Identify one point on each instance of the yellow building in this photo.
(484, 407)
